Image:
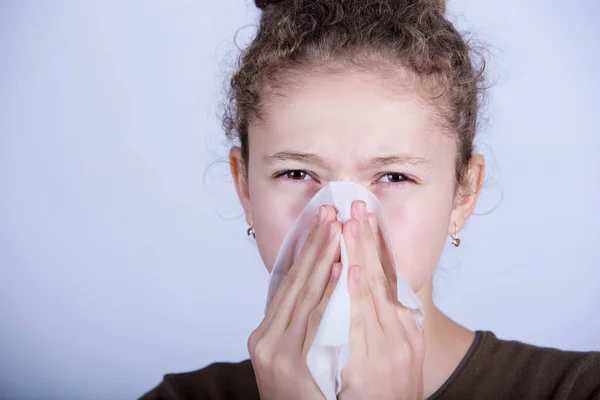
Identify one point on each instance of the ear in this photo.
(240, 179)
(468, 194)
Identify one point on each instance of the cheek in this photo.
(418, 229)
(274, 211)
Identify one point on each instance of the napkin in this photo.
(330, 350)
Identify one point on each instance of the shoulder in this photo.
(561, 365)
(214, 382)
(495, 368)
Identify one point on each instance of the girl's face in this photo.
(361, 128)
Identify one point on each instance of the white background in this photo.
(123, 255)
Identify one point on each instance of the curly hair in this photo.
(410, 39)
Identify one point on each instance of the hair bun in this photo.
(442, 6)
(439, 4)
(262, 4)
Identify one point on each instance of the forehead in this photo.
(351, 111)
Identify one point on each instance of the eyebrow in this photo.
(314, 159)
(307, 158)
(401, 159)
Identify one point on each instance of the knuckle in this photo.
(290, 277)
(252, 339)
(404, 354)
(262, 354)
(403, 347)
(310, 294)
(315, 317)
(392, 280)
(381, 280)
(312, 238)
(392, 277)
(356, 323)
(256, 336)
(365, 293)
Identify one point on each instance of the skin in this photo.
(364, 128)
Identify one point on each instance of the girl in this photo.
(383, 93)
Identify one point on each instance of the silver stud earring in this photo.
(455, 239)
(250, 232)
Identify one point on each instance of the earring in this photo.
(455, 239)
(250, 232)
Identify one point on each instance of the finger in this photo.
(308, 245)
(301, 268)
(316, 316)
(365, 331)
(407, 319)
(363, 301)
(313, 290)
(362, 250)
(389, 269)
(383, 253)
(366, 248)
(280, 312)
(403, 314)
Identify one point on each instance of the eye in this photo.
(294, 175)
(395, 178)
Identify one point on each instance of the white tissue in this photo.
(330, 351)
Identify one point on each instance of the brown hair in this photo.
(411, 37)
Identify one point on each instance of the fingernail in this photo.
(355, 210)
(336, 271)
(321, 214)
(332, 230)
(373, 223)
(362, 210)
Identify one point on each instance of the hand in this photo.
(278, 347)
(386, 347)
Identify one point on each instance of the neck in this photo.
(446, 343)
